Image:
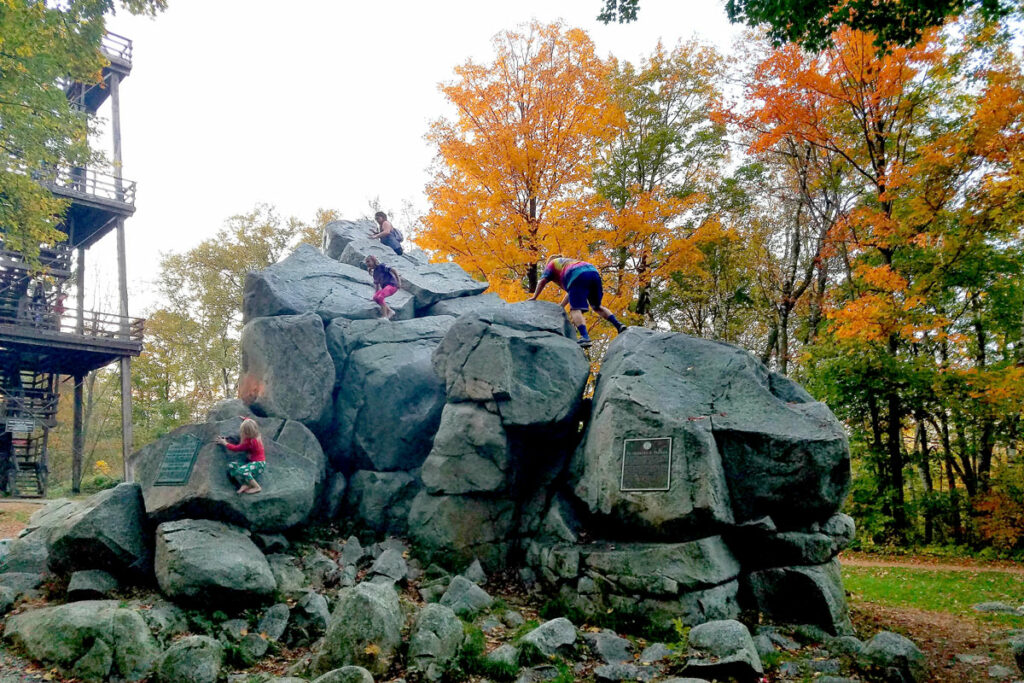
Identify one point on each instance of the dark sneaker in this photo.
(621, 328)
(584, 342)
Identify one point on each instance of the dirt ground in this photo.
(14, 515)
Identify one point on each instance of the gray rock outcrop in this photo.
(365, 630)
(93, 639)
(286, 370)
(291, 481)
(307, 281)
(389, 397)
(435, 641)
(204, 562)
(193, 659)
(106, 531)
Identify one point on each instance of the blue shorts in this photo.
(585, 291)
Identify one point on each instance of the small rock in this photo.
(552, 637)
(491, 624)
(724, 649)
(513, 619)
(352, 553)
(537, 674)
(1000, 672)
(613, 673)
(475, 573)
(271, 543)
(465, 597)
(609, 647)
(91, 584)
(291, 582)
(391, 565)
(995, 608)
(899, 657)
(764, 645)
(432, 592)
(506, 655)
(197, 659)
(845, 645)
(973, 660)
(825, 666)
(346, 674)
(309, 619)
(655, 652)
(783, 642)
(317, 567)
(233, 630)
(274, 622)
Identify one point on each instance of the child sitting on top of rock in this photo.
(251, 443)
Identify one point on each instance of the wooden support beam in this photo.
(126, 415)
(78, 435)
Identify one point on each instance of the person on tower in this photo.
(583, 290)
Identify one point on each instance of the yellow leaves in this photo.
(1002, 388)
(512, 182)
(373, 650)
(881, 278)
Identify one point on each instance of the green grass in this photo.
(947, 591)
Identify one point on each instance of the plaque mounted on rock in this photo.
(176, 466)
(646, 464)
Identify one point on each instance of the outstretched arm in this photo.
(540, 288)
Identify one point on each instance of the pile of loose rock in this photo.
(345, 612)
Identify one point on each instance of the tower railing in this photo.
(95, 325)
(116, 46)
(86, 183)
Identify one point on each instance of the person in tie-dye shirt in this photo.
(583, 290)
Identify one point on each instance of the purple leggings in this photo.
(383, 293)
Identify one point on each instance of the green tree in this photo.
(43, 45)
(812, 22)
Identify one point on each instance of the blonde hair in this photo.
(249, 429)
(553, 257)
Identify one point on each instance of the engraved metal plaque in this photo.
(646, 464)
(176, 467)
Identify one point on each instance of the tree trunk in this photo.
(924, 466)
(954, 495)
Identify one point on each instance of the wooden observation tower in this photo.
(42, 336)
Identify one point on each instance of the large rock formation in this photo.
(694, 483)
(692, 439)
(514, 385)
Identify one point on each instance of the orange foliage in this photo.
(512, 182)
(1001, 519)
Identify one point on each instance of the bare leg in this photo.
(576, 318)
(244, 488)
(253, 487)
(604, 312)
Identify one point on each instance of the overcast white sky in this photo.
(312, 104)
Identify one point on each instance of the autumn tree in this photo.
(658, 170)
(917, 129)
(512, 180)
(43, 45)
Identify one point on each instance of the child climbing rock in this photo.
(387, 281)
(387, 234)
(245, 473)
(582, 284)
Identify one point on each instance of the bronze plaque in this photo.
(646, 464)
(176, 467)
